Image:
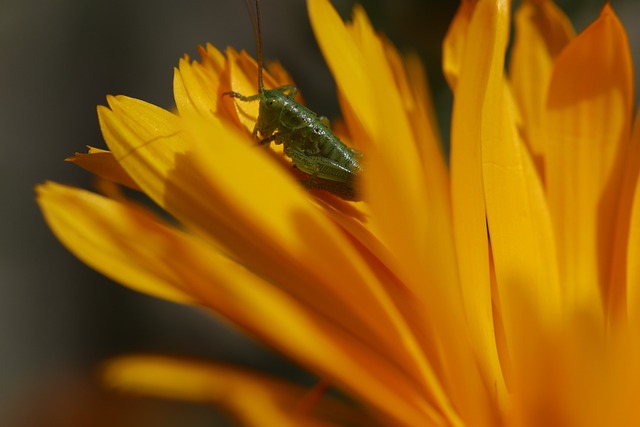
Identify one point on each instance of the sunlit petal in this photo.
(96, 229)
(522, 241)
(103, 164)
(542, 31)
(588, 119)
(502, 289)
(195, 88)
(254, 399)
(455, 42)
(346, 62)
(183, 269)
(484, 48)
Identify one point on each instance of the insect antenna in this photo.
(255, 24)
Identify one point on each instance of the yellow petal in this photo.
(455, 42)
(438, 304)
(212, 59)
(588, 120)
(128, 245)
(527, 290)
(483, 53)
(144, 139)
(625, 252)
(243, 79)
(393, 171)
(84, 223)
(195, 89)
(261, 227)
(275, 235)
(579, 376)
(103, 164)
(423, 116)
(633, 267)
(346, 62)
(251, 397)
(245, 113)
(542, 31)
(439, 254)
(522, 240)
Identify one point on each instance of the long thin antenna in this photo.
(257, 32)
(259, 47)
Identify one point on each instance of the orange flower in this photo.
(500, 291)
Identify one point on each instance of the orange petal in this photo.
(455, 42)
(195, 89)
(252, 398)
(633, 266)
(95, 229)
(243, 78)
(128, 245)
(588, 120)
(256, 212)
(212, 59)
(393, 172)
(346, 62)
(625, 252)
(275, 235)
(527, 297)
(483, 54)
(103, 164)
(522, 240)
(144, 139)
(542, 31)
(392, 167)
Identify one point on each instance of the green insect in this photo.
(306, 138)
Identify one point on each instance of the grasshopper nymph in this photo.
(306, 138)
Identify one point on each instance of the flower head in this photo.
(500, 290)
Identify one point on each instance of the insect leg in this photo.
(344, 189)
(320, 167)
(269, 139)
(288, 90)
(242, 97)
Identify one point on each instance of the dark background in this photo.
(58, 60)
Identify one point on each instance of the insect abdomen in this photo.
(308, 133)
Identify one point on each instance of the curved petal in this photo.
(393, 172)
(588, 118)
(346, 62)
(528, 294)
(625, 253)
(251, 397)
(259, 215)
(195, 89)
(292, 221)
(454, 44)
(143, 140)
(212, 59)
(128, 245)
(522, 241)
(542, 31)
(633, 266)
(483, 52)
(393, 175)
(243, 79)
(95, 229)
(102, 163)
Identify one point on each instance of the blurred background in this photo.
(58, 60)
